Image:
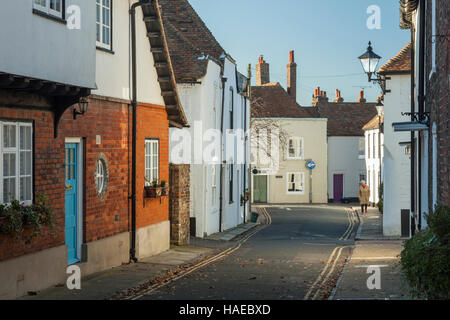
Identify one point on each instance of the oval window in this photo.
(100, 176)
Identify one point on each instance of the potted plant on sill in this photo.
(153, 190)
(164, 188)
(26, 221)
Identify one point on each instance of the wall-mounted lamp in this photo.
(408, 150)
(82, 106)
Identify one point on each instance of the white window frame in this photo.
(150, 156)
(101, 43)
(302, 180)
(302, 148)
(100, 173)
(47, 10)
(16, 150)
(362, 156)
(213, 186)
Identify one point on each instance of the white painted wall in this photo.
(343, 158)
(232, 214)
(373, 169)
(37, 47)
(114, 69)
(202, 104)
(396, 163)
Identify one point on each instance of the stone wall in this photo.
(179, 204)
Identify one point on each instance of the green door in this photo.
(260, 189)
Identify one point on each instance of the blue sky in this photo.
(327, 36)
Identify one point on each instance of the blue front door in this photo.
(71, 186)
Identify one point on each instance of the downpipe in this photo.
(134, 128)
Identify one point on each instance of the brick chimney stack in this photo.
(292, 76)
(319, 96)
(338, 96)
(361, 97)
(262, 72)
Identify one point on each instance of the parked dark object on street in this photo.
(254, 217)
(425, 259)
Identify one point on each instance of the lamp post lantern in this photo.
(369, 61)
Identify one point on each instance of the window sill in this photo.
(301, 158)
(105, 50)
(49, 16)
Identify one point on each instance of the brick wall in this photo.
(437, 98)
(107, 214)
(151, 123)
(48, 179)
(179, 204)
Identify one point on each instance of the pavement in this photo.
(117, 281)
(372, 271)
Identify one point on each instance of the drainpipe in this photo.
(224, 80)
(421, 101)
(245, 157)
(413, 145)
(134, 130)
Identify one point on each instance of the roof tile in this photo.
(188, 39)
(401, 63)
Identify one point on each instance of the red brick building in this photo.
(83, 162)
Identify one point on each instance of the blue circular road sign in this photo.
(311, 165)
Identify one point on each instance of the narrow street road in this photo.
(292, 258)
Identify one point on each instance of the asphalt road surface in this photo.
(292, 258)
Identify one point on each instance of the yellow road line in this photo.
(195, 267)
(321, 274)
(329, 274)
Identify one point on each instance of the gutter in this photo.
(134, 130)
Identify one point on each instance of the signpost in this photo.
(311, 165)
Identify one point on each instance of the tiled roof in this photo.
(188, 39)
(374, 123)
(272, 101)
(346, 119)
(163, 64)
(401, 63)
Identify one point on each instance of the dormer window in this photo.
(53, 8)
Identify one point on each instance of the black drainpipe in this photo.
(421, 100)
(413, 145)
(245, 157)
(224, 80)
(134, 106)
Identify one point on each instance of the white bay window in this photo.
(16, 158)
